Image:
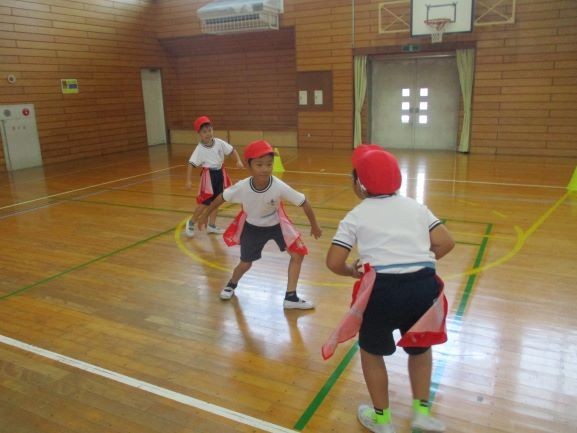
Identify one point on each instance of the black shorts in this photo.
(217, 182)
(253, 239)
(397, 302)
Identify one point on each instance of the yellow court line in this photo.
(86, 187)
(499, 214)
(177, 231)
(482, 235)
(214, 265)
(522, 237)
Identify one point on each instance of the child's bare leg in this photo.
(239, 271)
(420, 368)
(197, 212)
(291, 300)
(294, 271)
(376, 378)
(189, 229)
(237, 274)
(212, 217)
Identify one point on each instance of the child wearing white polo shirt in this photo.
(262, 219)
(209, 155)
(401, 240)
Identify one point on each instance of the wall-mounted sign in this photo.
(315, 90)
(69, 85)
(411, 48)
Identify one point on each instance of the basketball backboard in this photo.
(459, 12)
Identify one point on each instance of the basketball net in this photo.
(437, 27)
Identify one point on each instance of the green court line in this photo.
(314, 405)
(458, 317)
(473, 277)
(222, 214)
(468, 243)
(437, 374)
(481, 223)
(134, 191)
(130, 206)
(83, 265)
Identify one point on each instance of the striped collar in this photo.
(260, 190)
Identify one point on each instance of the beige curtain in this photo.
(466, 67)
(360, 92)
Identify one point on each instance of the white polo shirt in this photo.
(261, 206)
(210, 156)
(391, 233)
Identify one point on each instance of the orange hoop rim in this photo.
(438, 23)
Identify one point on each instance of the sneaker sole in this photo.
(226, 297)
(298, 307)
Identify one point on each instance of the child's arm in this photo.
(337, 262)
(188, 177)
(203, 217)
(441, 241)
(315, 228)
(239, 163)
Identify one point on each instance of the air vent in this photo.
(237, 16)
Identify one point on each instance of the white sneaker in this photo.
(214, 230)
(426, 423)
(366, 416)
(189, 228)
(226, 293)
(301, 304)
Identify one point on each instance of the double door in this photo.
(414, 103)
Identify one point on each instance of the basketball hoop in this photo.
(437, 27)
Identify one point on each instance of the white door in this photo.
(153, 106)
(414, 103)
(20, 136)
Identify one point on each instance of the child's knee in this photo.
(296, 257)
(245, 265)
(416, 351)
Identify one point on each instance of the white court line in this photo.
(325, 173)
(86, 187)
(153, 389)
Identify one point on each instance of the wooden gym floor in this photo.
(110, 319)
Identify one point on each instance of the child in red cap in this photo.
(401, 240)
(208, 154)
(262, 219)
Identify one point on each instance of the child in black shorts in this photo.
(263, 219)
(401, 240)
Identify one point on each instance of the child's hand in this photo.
(316, 231)
(239, 164)
(357, 268)
(188, 184)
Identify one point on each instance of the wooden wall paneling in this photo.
(103, 44)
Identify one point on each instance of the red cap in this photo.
(361, 149)
(377, 169)
(256, 149)
(200, 121)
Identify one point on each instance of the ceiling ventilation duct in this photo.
(235, 16)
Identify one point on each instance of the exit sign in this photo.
(410, 48)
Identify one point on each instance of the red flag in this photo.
(431, 328)
(205, 185)
(232, 233)
(351, 323)
(291, 236)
